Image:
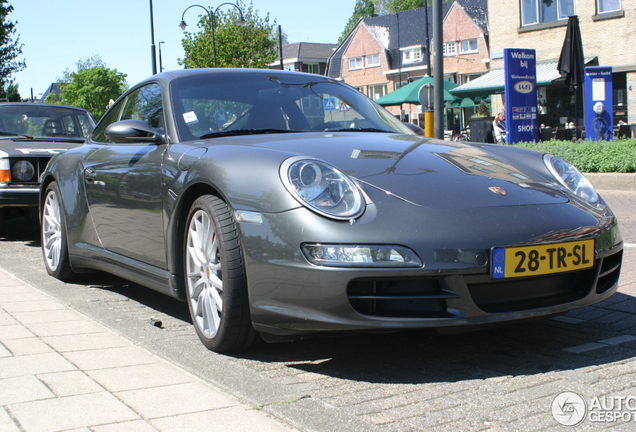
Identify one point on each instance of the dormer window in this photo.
(412, 54)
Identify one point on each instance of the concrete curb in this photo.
(613, 181)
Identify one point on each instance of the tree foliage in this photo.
(10, 50)
(249, 45)
(363, 9)
(91, 87)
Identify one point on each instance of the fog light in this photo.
(332, 255)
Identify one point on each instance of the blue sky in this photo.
(58, 33)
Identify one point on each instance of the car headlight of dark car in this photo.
(23, 171)
(322, 188)
(571, 178)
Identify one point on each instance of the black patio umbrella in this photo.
(572, 62)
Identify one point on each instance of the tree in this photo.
(250, 45)
(10, 49)
(402, 5)
(363, 9)
(91, 87)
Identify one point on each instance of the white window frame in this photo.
(464, 46)
(412, 54)
(372, 60)
(600, 9)
(376, 91)
(313, 68)
(531, 12)
(356, 63)
(449, 48)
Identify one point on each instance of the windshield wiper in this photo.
(6, 133)
(359, 130)
(243, 132)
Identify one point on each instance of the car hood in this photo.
(425, 172)
(37, 146)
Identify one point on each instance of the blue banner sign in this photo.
(520, 90)
(599, 103)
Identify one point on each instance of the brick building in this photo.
(305, 57)
(383, 53)
(608, 28)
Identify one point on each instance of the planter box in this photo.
(481, 129)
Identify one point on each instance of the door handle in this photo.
(90, 175)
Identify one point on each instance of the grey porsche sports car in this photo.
(280, 204)
(30, 135)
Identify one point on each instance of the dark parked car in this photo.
(280, 204)
(30, 135)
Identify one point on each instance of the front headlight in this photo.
(322, 187)
(571, 178)
(23, 171)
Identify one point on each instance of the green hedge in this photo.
(592, 156)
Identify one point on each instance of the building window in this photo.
(468, 77)
(312, 68)
(449, 48)
(604, 6)
(468, 46)
(412, 55)
(377, 91)
(288, 67)
(373, 60)
(356, 63)
(543, 11)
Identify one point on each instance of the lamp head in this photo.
(183, 25)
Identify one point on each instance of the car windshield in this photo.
(223, 104)
(33, 120)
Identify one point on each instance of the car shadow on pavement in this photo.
(562, 343)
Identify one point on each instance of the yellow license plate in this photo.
(535, 260)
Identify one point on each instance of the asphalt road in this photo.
(500, 379)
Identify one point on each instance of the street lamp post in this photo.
(211, 18)
(160, 65)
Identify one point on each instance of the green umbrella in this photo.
(410, 93)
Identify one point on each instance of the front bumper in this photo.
(19, 196)
(289, 296)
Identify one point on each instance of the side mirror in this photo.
(130, 131)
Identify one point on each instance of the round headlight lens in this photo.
(23, 171)
(322, 187)
(571, 178)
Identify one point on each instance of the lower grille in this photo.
(610, 270)
(509, 295)
(405, 298)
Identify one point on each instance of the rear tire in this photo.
(215, 278)
(53, 235)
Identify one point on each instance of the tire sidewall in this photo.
(234, 294)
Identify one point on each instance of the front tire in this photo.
(215, 277)
(53, 235)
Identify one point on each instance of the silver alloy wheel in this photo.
(52, 231)
(204, 280)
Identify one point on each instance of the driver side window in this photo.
(142, 104)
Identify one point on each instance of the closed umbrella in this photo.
(572, 62)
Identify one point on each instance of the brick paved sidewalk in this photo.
(60, 370)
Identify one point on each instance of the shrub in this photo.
(591, 156)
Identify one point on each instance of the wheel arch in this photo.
(176, 232)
